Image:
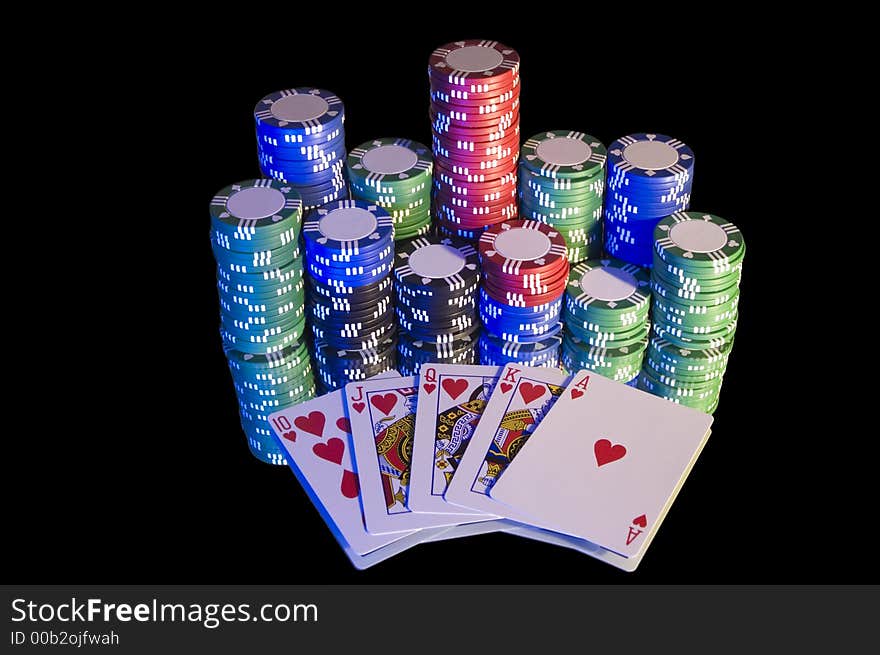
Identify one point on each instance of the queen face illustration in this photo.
(455, 427)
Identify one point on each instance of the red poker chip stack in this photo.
(524, 263)
(525, 272)
(475, 126)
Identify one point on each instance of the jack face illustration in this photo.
(394, 439)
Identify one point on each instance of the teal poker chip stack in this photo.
(267, 383)
(695, 278)
(255, 226)
(396, 175)
(301, 141)
(562, 183)
(606, 319)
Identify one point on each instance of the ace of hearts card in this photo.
(605, 465)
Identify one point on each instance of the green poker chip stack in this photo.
(697, 265)
(605, 313)
(562, 183)
(396, 175)
(255, 227)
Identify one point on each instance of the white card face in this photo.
(522, 396)
(382, 414)
(405, 543)
(315, 436)
(451, 402)
(472, 530)
(580, 545)
(606, 464)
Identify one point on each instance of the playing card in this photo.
(382, 414)
(526, 532)
(513, 437)
(315, 436)
(450, 404)
(380, 555)
(522, 396)
(472, 529)
(605, 464)
(558, 539)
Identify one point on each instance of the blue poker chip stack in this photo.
(511, 335)
(301, 140)
(349, 251)
(649, 177)
(498, 352)
(255, 227)
(436, 281)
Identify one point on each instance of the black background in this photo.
(153, 480)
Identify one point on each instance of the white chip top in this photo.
(522, 244)
(299, 108)
(608, 283)
(698, 236)
(563, 151)
(436, 261)
(255, 202)
(389, 160)
(650, 155)
(347, 224)
(474, 59)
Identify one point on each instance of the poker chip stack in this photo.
(649, 177)
(525, 272)
(396, 175)
(301, 140)
(475, 135)
(349, 249)
(255, 225)
(562, 183)
(606, 319)
(436, 281)
(695, 284)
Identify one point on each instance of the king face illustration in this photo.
(514, 430)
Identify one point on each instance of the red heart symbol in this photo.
(332, 451)
(384, 403)
(343, 424)
(606, 453)
(506, 387)
(290, 435)
(640, 521)
(358, 407)
(349, 486)
(430, 387)
(313, 423)
(530, 392)
(454, 387)
(576, 393)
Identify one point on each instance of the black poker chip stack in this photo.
(436, 281)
